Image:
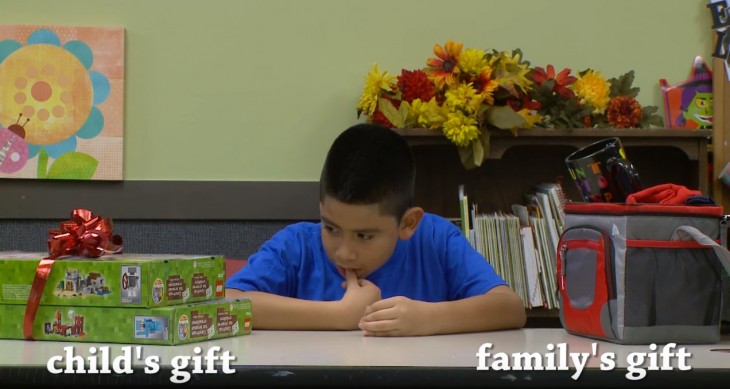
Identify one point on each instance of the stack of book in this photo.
(522, 244)
(121, 298)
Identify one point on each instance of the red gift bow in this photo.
(85, 235)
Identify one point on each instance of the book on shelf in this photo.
(532, 272)
(464, 210)
(521, 244)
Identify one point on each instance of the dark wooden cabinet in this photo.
(517, 163)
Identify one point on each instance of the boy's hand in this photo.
(359, 294)
(396, 316)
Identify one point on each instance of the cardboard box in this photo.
(170, 325)
(117, 280)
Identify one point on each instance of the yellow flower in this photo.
(593, 89)
(531, 117)
(510, 71)
(464, 97)
(472, 61)
(418, 113)
(435, 113)
(429, 114)
(375, 82)
(461, 129)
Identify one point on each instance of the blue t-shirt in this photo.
(436, 264)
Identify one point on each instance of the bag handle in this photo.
(690, 233)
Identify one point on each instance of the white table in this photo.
(347, 358)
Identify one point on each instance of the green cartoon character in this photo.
(696, 107)
(689, 104)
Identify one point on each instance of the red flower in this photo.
(587, 121)
(380, 119)
(624, 112)
(415, 85)
(562, 81)
(524, 102)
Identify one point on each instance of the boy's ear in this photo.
(409, 222)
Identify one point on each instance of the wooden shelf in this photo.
(516, 163)
(543, 318)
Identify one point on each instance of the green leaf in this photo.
(42, 169)
(622, 86)
(478, 152)
(504, 117)
(392, 114)
(484, 140)
(473, 157)
(403, 110)
(650, 109)
(466, 154)
(650, 117)
(73, 165)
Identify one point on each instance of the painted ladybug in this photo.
(13, 148)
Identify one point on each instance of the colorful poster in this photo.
(61, 102)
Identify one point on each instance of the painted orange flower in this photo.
(442, 69)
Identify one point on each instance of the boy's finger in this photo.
(350, 278)
(380, 305)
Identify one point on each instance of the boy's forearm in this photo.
(498, 309)
(273, 312)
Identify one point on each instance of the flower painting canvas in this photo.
(61, 102)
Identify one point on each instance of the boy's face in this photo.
(357, 237)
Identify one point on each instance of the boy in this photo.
(374, 262)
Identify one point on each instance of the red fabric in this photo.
(663, 194)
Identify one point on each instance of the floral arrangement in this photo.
(468, 93)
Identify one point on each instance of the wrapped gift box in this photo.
(178, 324)
(118, 280)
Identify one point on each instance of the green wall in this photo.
(256, 90)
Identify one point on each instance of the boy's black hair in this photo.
(370, 164)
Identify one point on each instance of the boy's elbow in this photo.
(514, 312)
(520, 315)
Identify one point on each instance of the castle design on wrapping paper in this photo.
(75, 285)
(57, 327)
